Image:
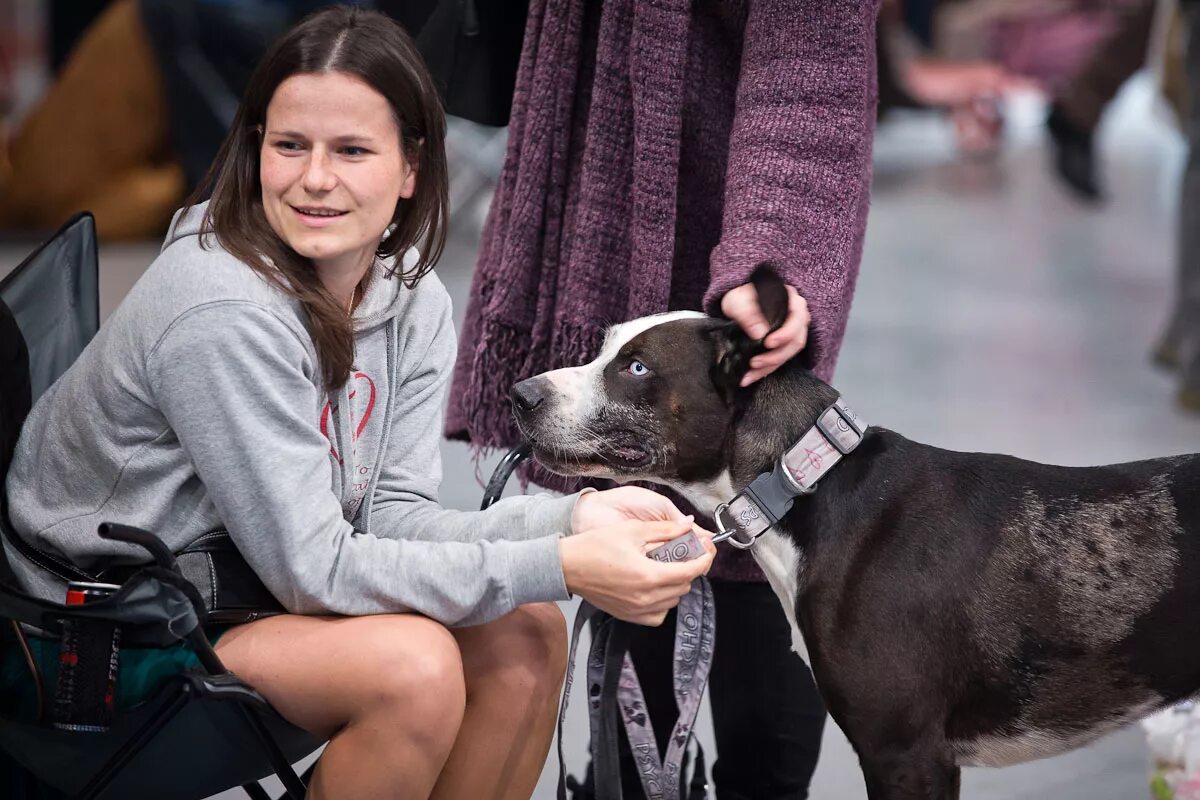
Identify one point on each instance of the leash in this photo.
(613, 690)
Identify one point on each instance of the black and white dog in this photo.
(956, 608)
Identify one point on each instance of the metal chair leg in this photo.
(256, 792)
(294, 788)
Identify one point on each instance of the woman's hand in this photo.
(740, 304)
(612, 506)
(609, 567)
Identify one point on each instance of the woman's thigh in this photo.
(321, 673)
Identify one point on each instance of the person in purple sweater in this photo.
(657, 152)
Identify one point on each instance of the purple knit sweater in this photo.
(658, 151)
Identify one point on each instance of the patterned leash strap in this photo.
(613, 690)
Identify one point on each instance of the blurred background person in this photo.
(1080, 51)
(1080, 103)
(970, 90)
(1179, 349)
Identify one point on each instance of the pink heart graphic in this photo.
(362, 423)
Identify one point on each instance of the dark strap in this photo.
(604, 676)
(604, 669)
(613, 690)
(699, 787)
(231, 590)
(586, 612)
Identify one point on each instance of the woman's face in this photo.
(332, 169)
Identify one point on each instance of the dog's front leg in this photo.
(910, 775)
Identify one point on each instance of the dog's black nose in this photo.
(529, 394)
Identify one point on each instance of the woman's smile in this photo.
(317, 216)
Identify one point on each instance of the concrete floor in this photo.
(993, 313)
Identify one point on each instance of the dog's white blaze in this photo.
(1031, 744)
(620, 335)
(574, 389)
(781, 562)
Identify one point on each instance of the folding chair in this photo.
(196, 733)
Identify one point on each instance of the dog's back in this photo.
(1037, 606)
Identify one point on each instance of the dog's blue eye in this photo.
(638, 368)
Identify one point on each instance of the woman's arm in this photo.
(405, 502)
(799, 169)
(234, 384)
(606, 562)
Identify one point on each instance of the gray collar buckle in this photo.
(760, 506)
(842, 427)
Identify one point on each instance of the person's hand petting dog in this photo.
(740, 304)
(609, 567)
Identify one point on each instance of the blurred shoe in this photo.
(1189, 397)
(1074, 158)
(1166, 355)
(1189, 379)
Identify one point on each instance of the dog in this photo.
(957, 609)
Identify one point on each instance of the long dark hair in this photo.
(373, 48)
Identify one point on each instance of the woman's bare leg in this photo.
(514, 671)
(388, 690)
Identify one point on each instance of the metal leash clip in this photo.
(723, 533)
(730, 534)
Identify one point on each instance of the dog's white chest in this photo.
(781, 561)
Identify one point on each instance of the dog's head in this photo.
(655, 404)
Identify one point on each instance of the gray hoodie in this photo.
(199, 405)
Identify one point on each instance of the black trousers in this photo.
(767, 715)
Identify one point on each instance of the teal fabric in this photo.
(139, 672)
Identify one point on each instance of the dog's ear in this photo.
(772, 294)
(733, 349)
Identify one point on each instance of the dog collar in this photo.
(753, 511)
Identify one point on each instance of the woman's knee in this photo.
(543, 624)
(413, 663)
(327, 673)
(524, 649)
